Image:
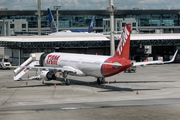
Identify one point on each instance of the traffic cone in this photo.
(115, 80)
(108, 83)
(55, 85)
(137, 92)
(26, 83)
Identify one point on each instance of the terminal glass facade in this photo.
(66, 21)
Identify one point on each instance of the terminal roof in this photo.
(86, 41)
(87, 38)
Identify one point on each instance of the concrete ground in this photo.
(153, 92)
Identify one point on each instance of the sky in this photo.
(89, 4)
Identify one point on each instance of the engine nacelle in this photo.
(46, 75)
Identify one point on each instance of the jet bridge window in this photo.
(123, 24)
(23, 25)
(134, 24)
(11, 25)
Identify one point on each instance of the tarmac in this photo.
(153, 92)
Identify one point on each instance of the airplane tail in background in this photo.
(91, 25)
(51, 22)
(123, 48)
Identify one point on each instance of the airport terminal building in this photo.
(144, 22)
(147, 21)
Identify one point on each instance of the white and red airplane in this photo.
(91, 65)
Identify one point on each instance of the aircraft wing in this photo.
(68, 69)
(155, 62)
(59, 69)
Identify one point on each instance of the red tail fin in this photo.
(122, 50)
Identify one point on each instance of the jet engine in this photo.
(47, 75)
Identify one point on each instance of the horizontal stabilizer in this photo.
(114, 64)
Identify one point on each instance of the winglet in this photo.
(172, 58)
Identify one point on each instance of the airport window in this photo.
(155, 22)
(23, 25)
(134, 24)
(123, 24)
(117, 24)
(108, 23)
(11, 25)
(27, 51)
(83, 20)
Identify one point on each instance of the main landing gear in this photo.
(66, 81)
(101, 80)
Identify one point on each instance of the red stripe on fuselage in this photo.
(109, 70)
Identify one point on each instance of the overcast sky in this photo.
(89, 4)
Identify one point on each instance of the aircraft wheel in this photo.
(103, 81)
(67, 82)
(98, 81)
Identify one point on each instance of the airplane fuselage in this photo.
(87, 65)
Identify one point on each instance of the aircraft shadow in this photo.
(140, 81)
(42, 85)
(107, 88)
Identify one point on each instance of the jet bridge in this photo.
(32, 61)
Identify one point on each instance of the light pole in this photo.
(57, 7)
(39, 16)
(111, 10)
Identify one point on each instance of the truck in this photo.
(4, 62)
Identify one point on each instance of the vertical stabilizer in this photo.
(123, 48)
(51, 22)
(91, 25)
